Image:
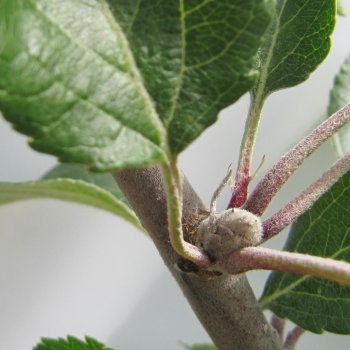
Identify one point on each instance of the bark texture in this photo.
(225, 305)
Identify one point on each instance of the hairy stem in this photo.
(173, 186)
(252, 258)
(240, 190)
(224, 304)
(292, 338)
(286, 166)
(285, 216)
(278, 324)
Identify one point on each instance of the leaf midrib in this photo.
(261, 83)
(134, 69)
(134, 73)
(182, 68)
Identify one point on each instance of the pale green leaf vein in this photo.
(223, 51)
(137, 79)
(136, 74)
(287, 54)
(182, 68)
(198, 7)
(133, 18)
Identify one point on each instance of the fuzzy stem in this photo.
(240, 190)
(252, 258)
(173, 186)
(293, 337)
(285, 216)
(278, 324)
(286, 166)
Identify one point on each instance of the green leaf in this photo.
(196, 57)
(339, 97)
(312, 303)
(79, 172)
(77, 191)
(111, 83)
(69, 81)
(297, 41)
(71, 343)
(200, 347)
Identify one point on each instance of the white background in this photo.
(70, 269)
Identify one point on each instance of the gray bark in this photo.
(225, 305)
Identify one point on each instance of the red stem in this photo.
(285, 167)
(240, 190)
(293, 337)
(278, 324)
(284, 217)
(252, 258)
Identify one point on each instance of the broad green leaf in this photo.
(200, 347)
(71, 343)
(340, 96)
(196, 57)
(111, 83)
(69, 81)
(77, 191)
(79, 172)
(315, 304)
(297, 41)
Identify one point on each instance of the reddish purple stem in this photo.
(278, 324)
(253, 258)
(240, 191)
(285, 167)
(284, 217)
(293, 337)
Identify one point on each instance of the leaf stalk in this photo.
(173, 186)
(243, 178)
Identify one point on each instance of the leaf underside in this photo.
(71, 343)
(79, 172)
(71, 190)
(314, 304)
(339, 97)
(118, 84)
(297, 41)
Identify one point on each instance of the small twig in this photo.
(256, 172)
(252, 258)
(218, 191)
(286, 166)
(284, 217)
(292, 338)
(278, 324)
